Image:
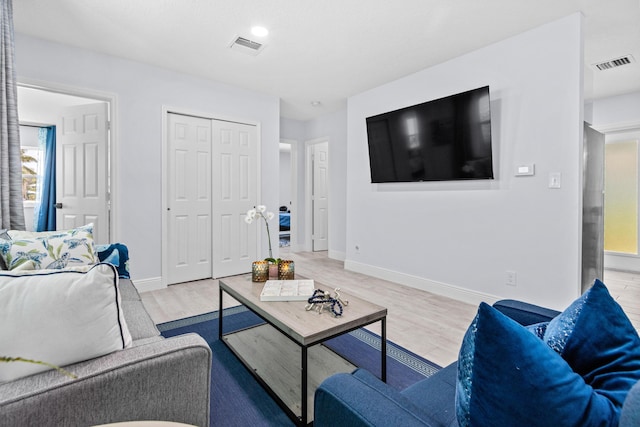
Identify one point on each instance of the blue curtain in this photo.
(44, 215)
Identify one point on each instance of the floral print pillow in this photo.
(50, 250)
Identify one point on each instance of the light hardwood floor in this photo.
(427, 324)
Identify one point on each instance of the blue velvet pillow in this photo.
(117, 255)
(597, 339)
(508, 376)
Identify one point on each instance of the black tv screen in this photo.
(440, 140)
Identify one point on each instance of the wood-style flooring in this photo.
(429, 325)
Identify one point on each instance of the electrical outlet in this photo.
(511, 278)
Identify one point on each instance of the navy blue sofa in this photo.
(361, 399)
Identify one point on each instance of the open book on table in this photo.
(287, 290)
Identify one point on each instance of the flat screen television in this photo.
(445, 139)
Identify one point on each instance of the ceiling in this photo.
(327, 50)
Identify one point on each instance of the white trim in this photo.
(148, 285)
(164, 250)
(164, 204)
(113, 137)
(618, 127)
(308, 191)
(622, 261)
(444, 289)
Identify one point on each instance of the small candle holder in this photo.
(260, 271)
(286, 270)
(273, 270)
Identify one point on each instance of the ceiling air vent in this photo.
(614, 63)
(242, 44)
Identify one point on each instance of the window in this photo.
(31, 158)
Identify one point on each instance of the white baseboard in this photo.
(340, 256)
(461, 294)
(146, 285)
(622, 262)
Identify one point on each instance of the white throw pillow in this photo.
(59, 317)
(29, 250)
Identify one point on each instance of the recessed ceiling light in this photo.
(316, 103)
(259, 31)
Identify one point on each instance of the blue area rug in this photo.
(237, 399)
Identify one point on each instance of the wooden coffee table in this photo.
(283, 354)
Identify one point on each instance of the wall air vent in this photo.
(243, 44)
(614, 63)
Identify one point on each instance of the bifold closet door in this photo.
(189, 198)
(234, 191)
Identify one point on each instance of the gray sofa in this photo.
(155, 379)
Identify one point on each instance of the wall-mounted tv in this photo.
(440, 140)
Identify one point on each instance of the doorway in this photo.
(48, 105)
(289, 210)
(622, 196)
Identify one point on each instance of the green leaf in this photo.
(37, 362)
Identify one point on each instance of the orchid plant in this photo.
(260, 211)
(37, 362)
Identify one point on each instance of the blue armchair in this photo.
(361, 399)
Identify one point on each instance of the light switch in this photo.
(555, 180)
(526, 170)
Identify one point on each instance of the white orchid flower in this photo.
(259, 211)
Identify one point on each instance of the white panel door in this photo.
(320, 196)
(235, 190)
(188, 198)
(81, 169)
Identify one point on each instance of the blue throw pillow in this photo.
(538, 329)
(508, 376)
(117, 255)
(597, 339)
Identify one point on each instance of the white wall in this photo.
(459, 239)
(616, 112)
(333, 127)
(619, 118)
(141, 92)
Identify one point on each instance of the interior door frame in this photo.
(166, 110)
(112, 138)
(293, 231)
(308, 220)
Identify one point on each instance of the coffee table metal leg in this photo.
(220, 316)
(383, 349)
(303, 402)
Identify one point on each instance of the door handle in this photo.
(58, 205)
